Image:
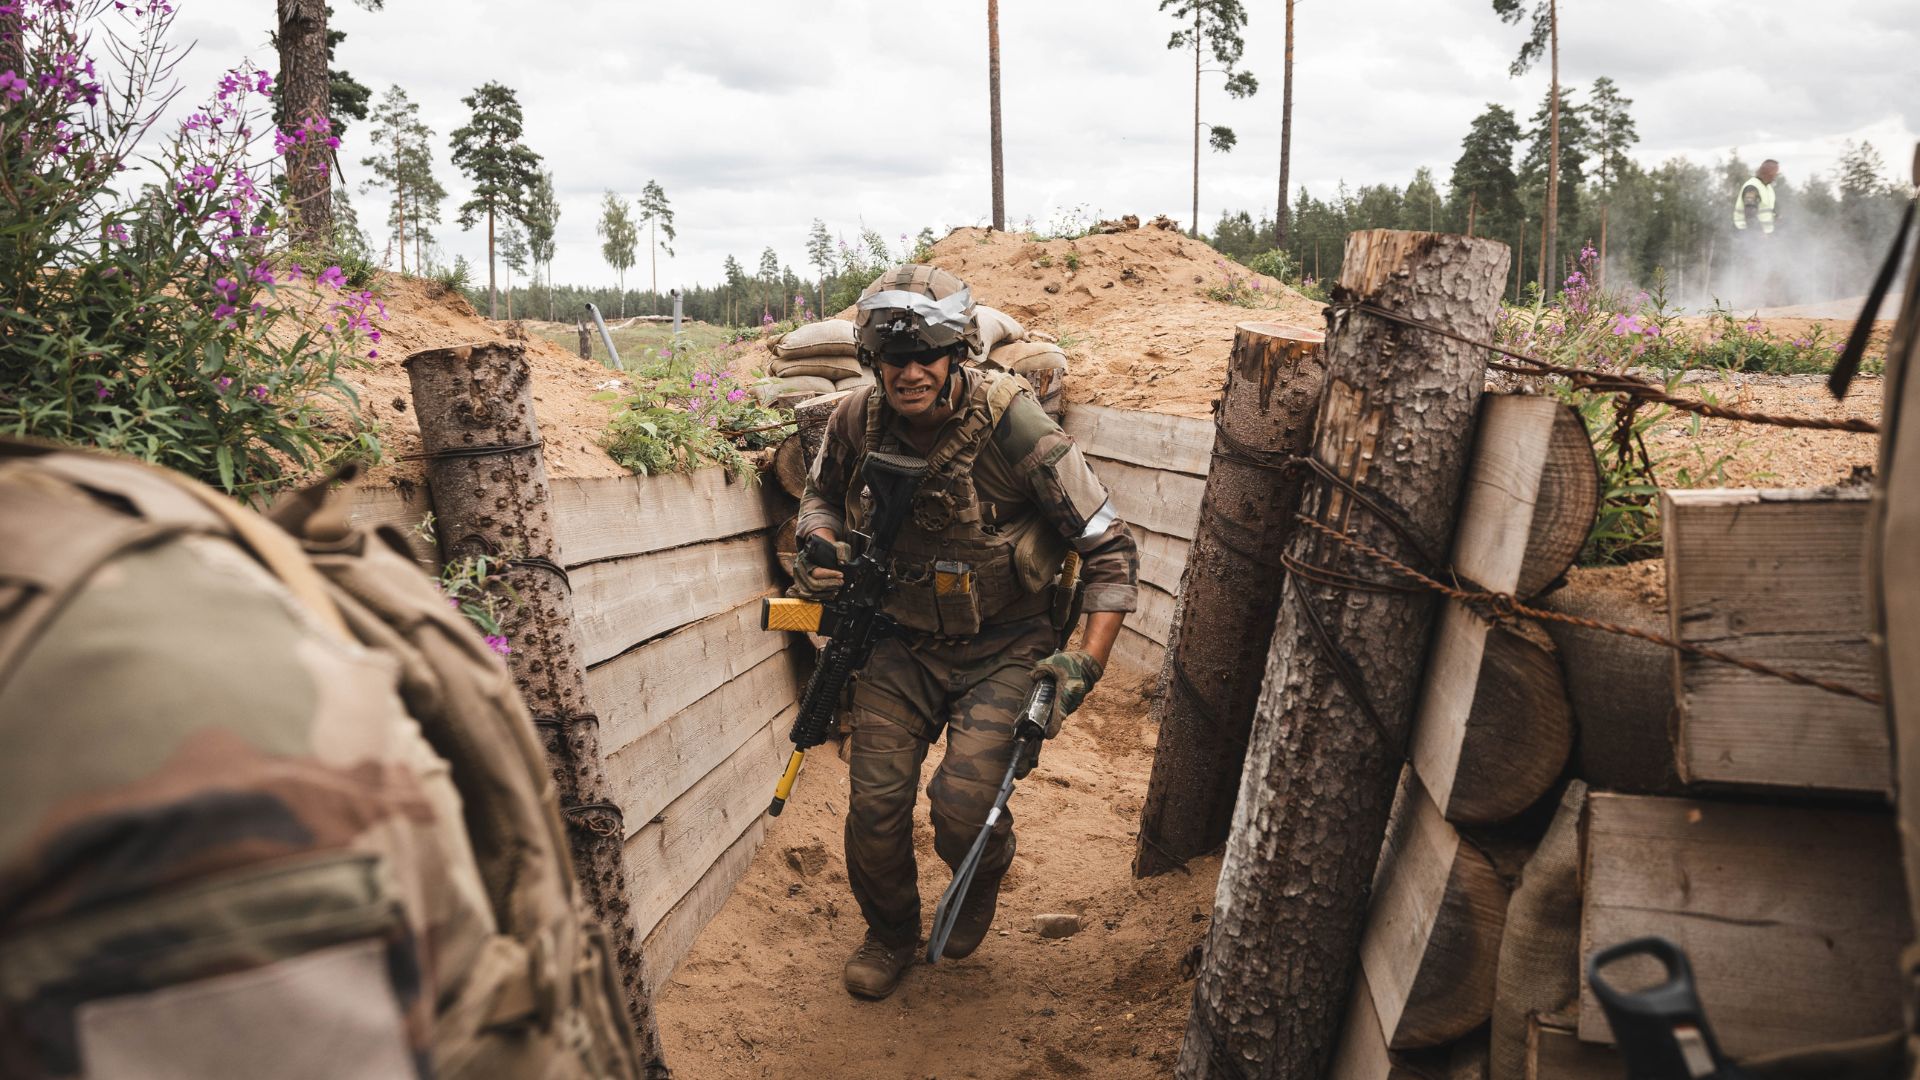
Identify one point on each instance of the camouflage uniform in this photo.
(1007, 494)
(261, 823)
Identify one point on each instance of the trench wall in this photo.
(694, 699)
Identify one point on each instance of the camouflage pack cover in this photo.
(266, 808)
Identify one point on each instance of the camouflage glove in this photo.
(808, 583)
(1073, 673)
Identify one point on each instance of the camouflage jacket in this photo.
(1007, 493)
(248, 830)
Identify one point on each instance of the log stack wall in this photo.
(694, 699)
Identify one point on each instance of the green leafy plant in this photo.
(1072, 260)
(685, 414)
(163, 324)
(1274, 263)
(476, 588)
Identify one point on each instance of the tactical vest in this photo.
(1764, 209)
(536, 996)
(959, 562)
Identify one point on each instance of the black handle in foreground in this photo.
(1662, 1031)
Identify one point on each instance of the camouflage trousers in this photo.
(914, 687)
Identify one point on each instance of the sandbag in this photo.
(767, 390)
(828, 337)
(832, 368)
(996, 328)
(1024, 356)
(865, 378)
(1539, 970)
(1621, 688)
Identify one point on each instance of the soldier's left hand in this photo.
(1073, 673)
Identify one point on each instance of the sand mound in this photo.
(1138, 328)
(422, 316)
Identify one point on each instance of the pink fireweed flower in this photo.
(332, 277)
(498, 643)
(12, 86)
(101, 392)
(736, 394)
(222, 383)
(259, 393)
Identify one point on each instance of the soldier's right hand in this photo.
(815, 577)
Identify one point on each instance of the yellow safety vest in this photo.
(1765, 191)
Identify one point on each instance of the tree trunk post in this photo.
(993, 107)
(488, 480)
(1395, 422)
(1551, 243)
(304, 83)
(1286, 136)
(1194, 226)
(1229, 593)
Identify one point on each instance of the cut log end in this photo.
(1563, 514)
(790, 466)
(1453, 993)
(1519, 732)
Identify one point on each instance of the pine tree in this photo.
(820, 257)
(402, 163)
(489, 151)
(303, 90)
(1286, 136)
(513, 252)
(1610, 133)
(1560, 206)
(543, 222)
(1483, 182)
(1216, 30)
(1543, 37)
(736, 285)
(619, 237)
(655, 211)
(769, 276)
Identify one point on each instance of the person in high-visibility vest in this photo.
(1754, 205)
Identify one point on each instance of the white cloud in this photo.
(758, 116)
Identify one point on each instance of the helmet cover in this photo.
(914, 308)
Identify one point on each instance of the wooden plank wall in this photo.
(1793, 917)
(1780, 577)
(1156, 467)
(694, 699)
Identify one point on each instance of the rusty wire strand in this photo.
(1496, 608)
(1604, 382)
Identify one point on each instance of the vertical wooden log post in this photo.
(488, 480)
(1395, 427)
(1229, 593)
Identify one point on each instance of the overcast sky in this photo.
(759, 116)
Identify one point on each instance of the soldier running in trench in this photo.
(1007, 495)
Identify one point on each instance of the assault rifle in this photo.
(1662, 1030)
(852, 620)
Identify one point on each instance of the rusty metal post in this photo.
(488, 481)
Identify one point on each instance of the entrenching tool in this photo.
(1028, 732)
(852, 620)
(1661, 1031)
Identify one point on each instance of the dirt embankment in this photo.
(1130, 308)
(420, 315)
(760, 994)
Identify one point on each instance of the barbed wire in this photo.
(1496, 608)
(1606, 382)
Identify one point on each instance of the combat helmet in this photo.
(914, 308)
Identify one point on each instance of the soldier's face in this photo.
(913, 388)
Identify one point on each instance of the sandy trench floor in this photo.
(760, 994)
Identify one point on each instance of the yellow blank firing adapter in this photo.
(781, 613)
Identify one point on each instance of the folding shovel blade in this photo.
(948, 910)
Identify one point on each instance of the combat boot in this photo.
(975, 918)
(875, 967)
